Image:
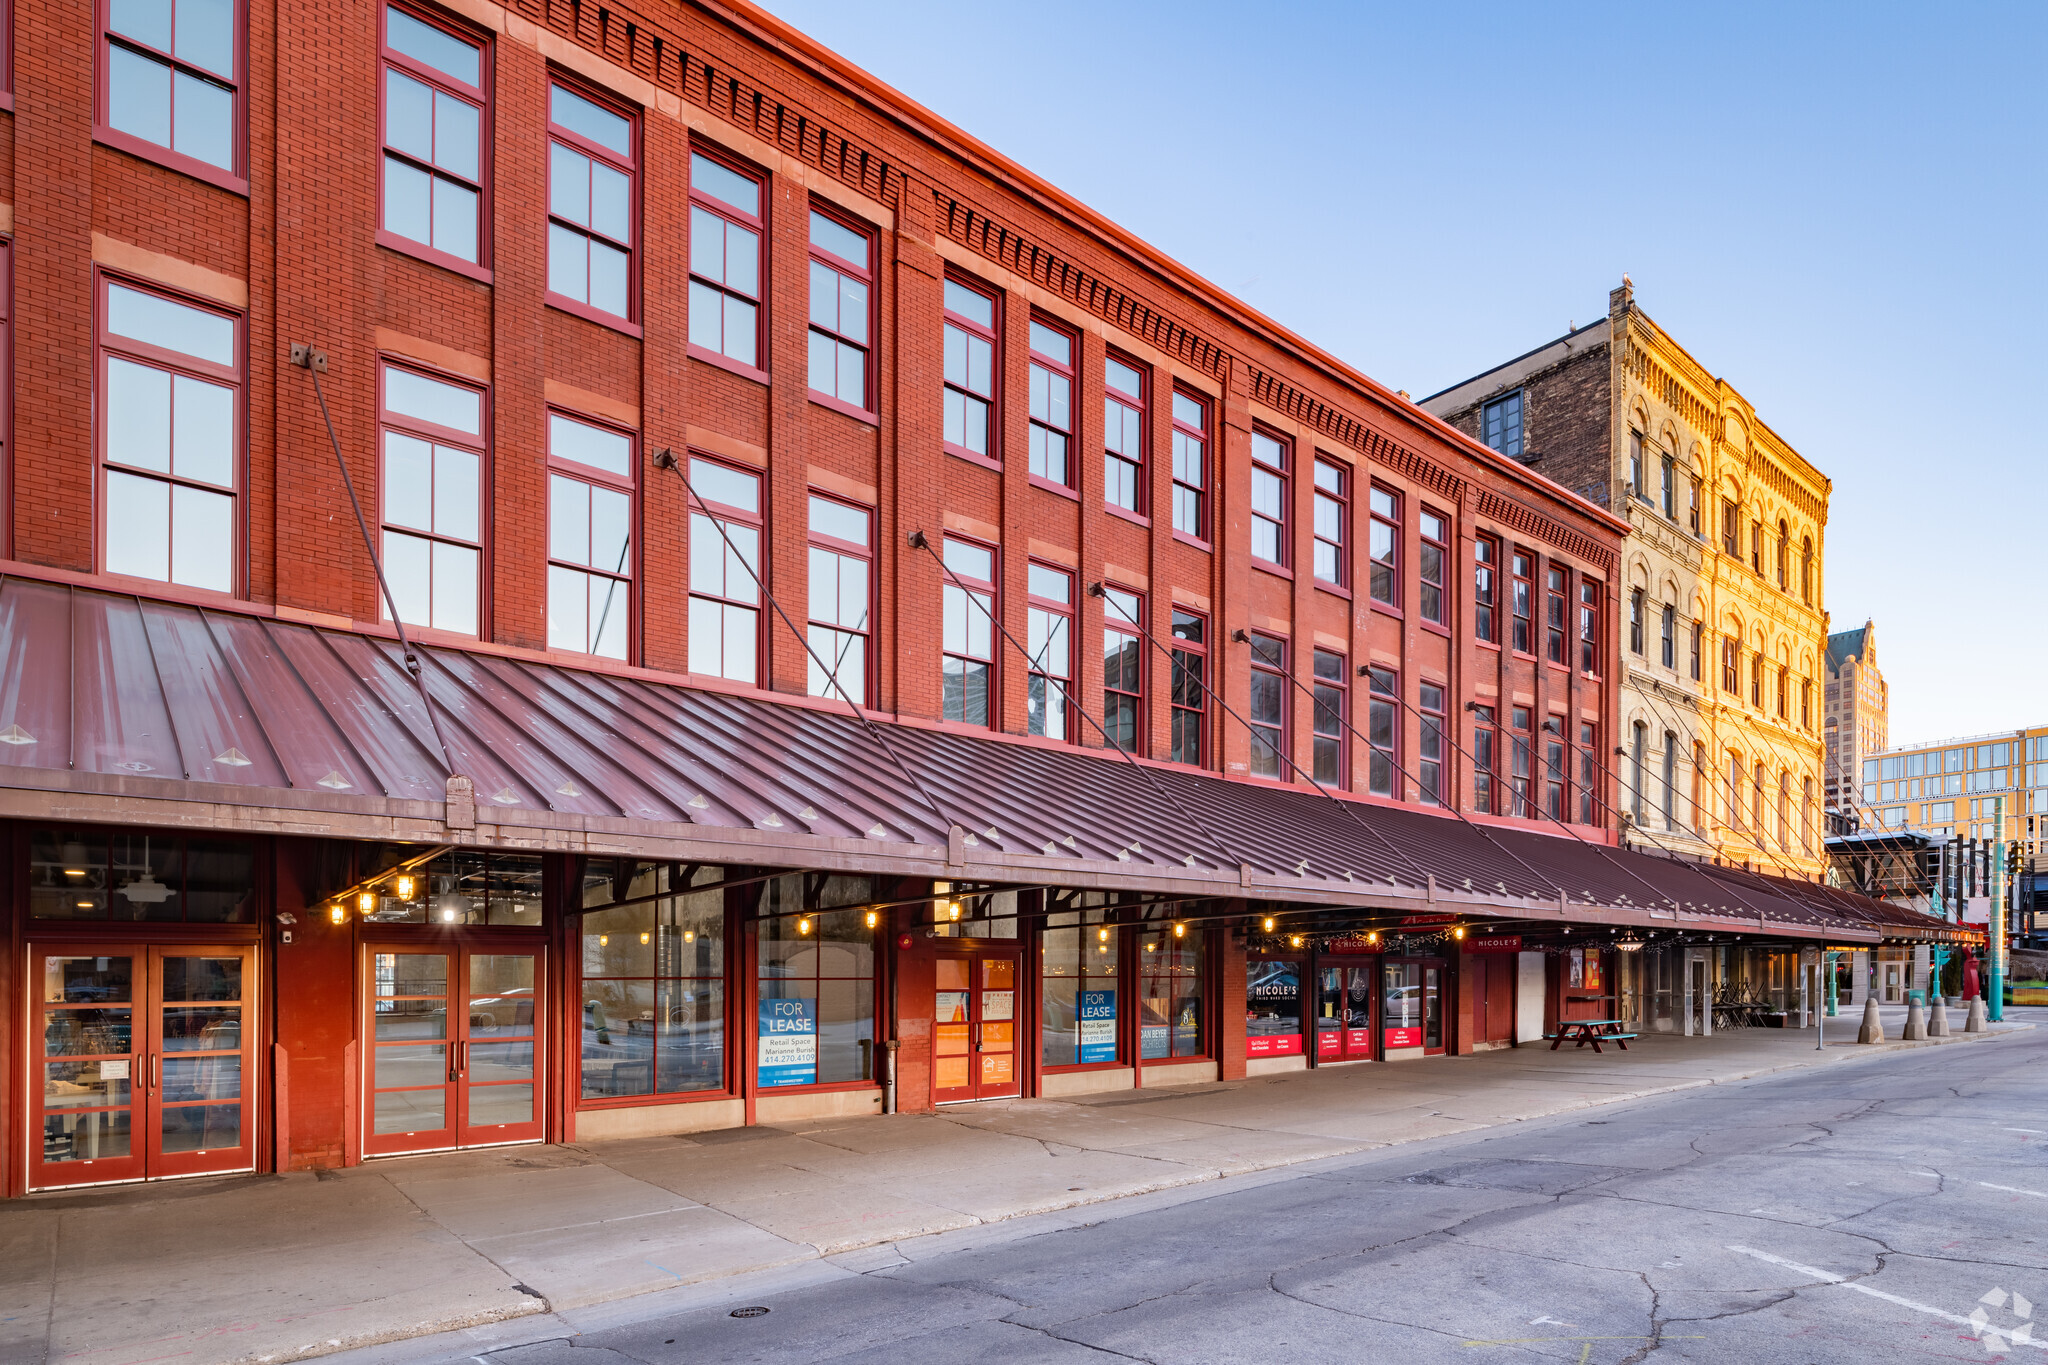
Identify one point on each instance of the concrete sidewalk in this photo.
(277, 1268)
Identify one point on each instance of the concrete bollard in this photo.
(1872, 1031)
(1916, 1023)
(1975, 1023)
(1937, 1019)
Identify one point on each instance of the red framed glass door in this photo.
(1413, 1013)
(145, 1062)
(1344, 1014)
(974, 1030)
(451, 1032)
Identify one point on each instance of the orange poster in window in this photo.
(998, 974)
(949, 1073)
(995, 1068)
(995, 1035)
(949, 1040)
(1593, 956)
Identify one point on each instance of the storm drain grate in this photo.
(754, 1312)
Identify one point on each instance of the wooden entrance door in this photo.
(974, 1033)
(452, 1037)
(145, 1062)
(1490, 978)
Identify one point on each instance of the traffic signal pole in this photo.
(1995, 1005)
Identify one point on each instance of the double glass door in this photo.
(452, 1043)
(974, 1029)
(1344, 1014)
(145, 1062)
(1414, 1015)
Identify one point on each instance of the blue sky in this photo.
(1840, 209)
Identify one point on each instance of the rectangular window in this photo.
(590, 538)
(1384, 546)
(1635, 620)
(1484, 761)
(1268, 705)
(593, 157)
(1269, 499)
(1049, 636)
(1756, 547)
(842, 280)
(970, 372)
(1501, 421)
(725, 557)
(1731, 528)
(1756, 681)
(969, 632)
(1190, 699)
(1692, 507)
(1735, 790)
(1589, 775)
(1731, 665)
(1078, 988)
(1670, 780)
(1554, 769)
(1052, 403)
(131, 875)
(1383, 731)
(725, 261)
(172, 79)
(1429, 761)
(1331, 688)
(434, 112)
(1667, 639)
(1525, 591)
(170, 380)
(1485, 571)
(1123, 664)
(1123, 436)
(653, 988)
(1432, 553)
(1190, 465)
(433, 451)
(1589, 627)
(1170, 1006)
(1636, 487)
(817, 970)
(841, 587)
(1784, 692)
(1557, 622)
(1698, 635)
(1806, 703)
(1668, 487)
(1521, 806)
(1333, 514)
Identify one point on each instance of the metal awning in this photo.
(122, 709)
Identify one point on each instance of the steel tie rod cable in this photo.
(923, 542)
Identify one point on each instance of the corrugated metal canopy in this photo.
(137, 709)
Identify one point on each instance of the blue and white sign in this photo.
(789, 1043)
(1098, 1026)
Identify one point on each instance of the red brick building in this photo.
(787, 498)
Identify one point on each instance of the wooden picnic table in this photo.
(1594, 1031)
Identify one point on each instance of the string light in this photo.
(644, 936)
(1458, 932)
(337, 913)
(689, 935)
(1179, 930)
(803, 926)
(1372, 936)
(405, 888)
(1102, 935)
(366, 902)
(874, 918)
(1294, 942)
(1269, 924)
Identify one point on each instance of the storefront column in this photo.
(314, 980)
(916, 980)
(1229, 945)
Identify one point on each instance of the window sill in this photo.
(1386, 609)
(406, 246)
(762, 1092)
(563, 303)
(1127, 514)
(1059, 489)
(841, 406)
(963, 453)
(168, 159)
(1195, 542)
(1277, 570)
(597, 1103)
(1486, 644)
(726, 362)
(1084, 1067)
(6, 101)
(172, 592)
(1434, 629)
(1524, 655)
(1334, 589)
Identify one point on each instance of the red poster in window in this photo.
(1273, 1045)
(1358, 1041)
(1404, 1037)
(1593, 969)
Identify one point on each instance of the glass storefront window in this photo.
(653, 998)
(467, 887)
(1077, 1011)
(1272, 1008)
(1170, 996)
(985, 914)
(817, 983)
(149, 878)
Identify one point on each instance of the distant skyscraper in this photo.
(1857, 710)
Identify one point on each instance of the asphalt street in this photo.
(1859, 1213)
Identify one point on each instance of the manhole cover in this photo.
(755, 1312)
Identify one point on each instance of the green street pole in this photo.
(1995, 1006)
(1827, 964)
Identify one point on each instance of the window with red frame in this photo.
(1052, 402)
(842, 276)
(968, 632)
(1049, 638)
(1190, 696)
(1385, 547)
(1332, 515)
(725, 260)
(1485, 588)
(1190, 465)
(970, 372)
(1484, 739)
(170, 382)
(841, 579)
(434, 130)
(1432, 554)
(432, 480)
(1267, 705)
(1520, 799)
(590, 537)
(1269, 498)
(1524, 591)
(593, 156)
(1589, 626)
(1123, 435)
(1123, 661)
(1382, 730)
(1332, 688)
(725, 557)
(1554, 769)
(1429, 761)
(172, 79)
(1589, 774)
(1557, 622)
